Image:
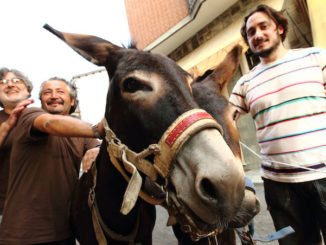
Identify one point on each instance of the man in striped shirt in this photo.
(285, 95)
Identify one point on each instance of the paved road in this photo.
(263, 223)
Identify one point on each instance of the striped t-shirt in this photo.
(287, 101)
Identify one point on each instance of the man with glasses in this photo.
(15, 88)
(44, 167)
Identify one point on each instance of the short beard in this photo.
(54, 112)
(265, 53)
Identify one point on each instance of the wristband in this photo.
(96, 132)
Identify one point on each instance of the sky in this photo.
(25, 45)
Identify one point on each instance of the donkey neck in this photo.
(109, 190)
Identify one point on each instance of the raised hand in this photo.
(10, 123)
(21, 106)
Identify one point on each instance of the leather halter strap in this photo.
(127, 161)
(180, 131)
(100, 228)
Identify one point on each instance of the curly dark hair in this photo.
(276, 16)
(72, 89)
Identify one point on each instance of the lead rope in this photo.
(281, 163)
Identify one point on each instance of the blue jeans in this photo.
(300, 205)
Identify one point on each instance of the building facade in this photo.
(197, 34)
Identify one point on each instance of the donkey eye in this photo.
(132, 85)
(236, 115)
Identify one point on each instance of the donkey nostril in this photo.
(207, 189)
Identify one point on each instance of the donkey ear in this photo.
(224, 71)
(92, 48)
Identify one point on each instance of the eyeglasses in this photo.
(14, 80)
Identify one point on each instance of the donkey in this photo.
(209, 92)
(159, 145)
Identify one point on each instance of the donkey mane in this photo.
(131, 45)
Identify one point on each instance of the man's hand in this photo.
(89, 158)
(14, 115)
(10, 123)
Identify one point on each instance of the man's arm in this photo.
(10, 123)
(65, 126)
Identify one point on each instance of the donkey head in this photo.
(209, 92)
(204, 184)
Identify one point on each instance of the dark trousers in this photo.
(69, 241)
(300, 205)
